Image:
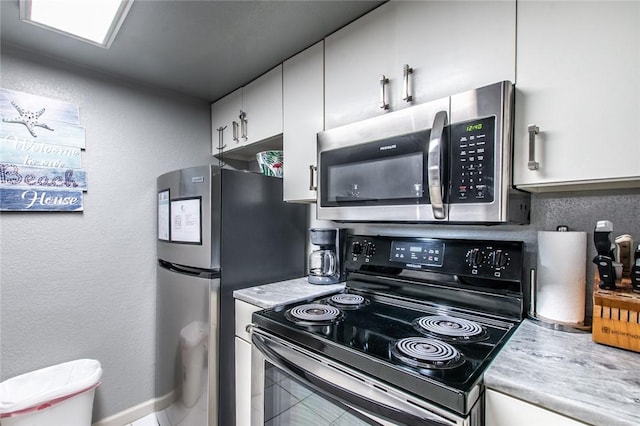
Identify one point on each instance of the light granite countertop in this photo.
(570, 374)
(284, 292)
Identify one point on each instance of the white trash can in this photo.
(58, 395)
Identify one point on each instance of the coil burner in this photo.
(451, 329)
(423, 352)
(348, 301)
(313, 314)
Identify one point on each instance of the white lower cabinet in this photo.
(504, 410)
(578, 82)
(243, 361)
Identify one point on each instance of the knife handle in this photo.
(635, 271)
(606, 271)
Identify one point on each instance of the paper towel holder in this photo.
(545, 322)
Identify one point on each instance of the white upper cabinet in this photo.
(355, 59)
(262, 107)
(251, 114)
(454, 46)
(225, 123)
(579, 84)
(303, 98)
(426, 49)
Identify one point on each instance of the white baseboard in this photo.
(139, 411)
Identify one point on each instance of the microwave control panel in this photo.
(472, 167)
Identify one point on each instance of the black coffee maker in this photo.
(326, 263)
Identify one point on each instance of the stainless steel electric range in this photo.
(407, 341)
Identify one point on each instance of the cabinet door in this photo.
(503, 410)
(243, 382)
(578, 82)
(303, 117)
(243, 314)
(452, 47)
(355, 58)
(262, 104)
(223, 113)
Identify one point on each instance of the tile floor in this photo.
(177, 415)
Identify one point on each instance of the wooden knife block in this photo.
(616, 318)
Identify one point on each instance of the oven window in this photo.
(289, 402)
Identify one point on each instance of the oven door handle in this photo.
(435, 165)
(353, 392)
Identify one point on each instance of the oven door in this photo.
(291, 385)
(388, 168)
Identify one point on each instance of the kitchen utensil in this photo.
(635, 271)
(604, 258)
(624, 253)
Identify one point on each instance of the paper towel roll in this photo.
(561, 272)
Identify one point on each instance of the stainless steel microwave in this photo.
(448, 160)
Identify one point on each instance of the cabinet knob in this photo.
(533, 131)
(383, 92)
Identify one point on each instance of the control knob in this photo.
(356, 247)
(498, 258)
(369, 249)
(474, 257)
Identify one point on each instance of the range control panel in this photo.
(500, 260)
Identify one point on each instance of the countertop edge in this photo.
(280, 293)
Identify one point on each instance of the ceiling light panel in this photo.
(94, 21)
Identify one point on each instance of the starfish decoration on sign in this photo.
(28, 118)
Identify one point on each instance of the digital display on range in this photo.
(419, 253)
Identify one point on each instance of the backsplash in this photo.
(578, 210)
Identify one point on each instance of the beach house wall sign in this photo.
(41, 146)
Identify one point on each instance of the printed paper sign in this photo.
(163, 215)
(185, 221)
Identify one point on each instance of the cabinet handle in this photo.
(243, 125)
(383, 92)
(312, 170)
(220, 130)
(434, 164)
(235, 131)
(533, 131)
(406, 70)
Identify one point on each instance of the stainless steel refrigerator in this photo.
(218, 230)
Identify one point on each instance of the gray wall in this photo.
(82, 285)
(578, 210)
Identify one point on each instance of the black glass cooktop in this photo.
(365, 338)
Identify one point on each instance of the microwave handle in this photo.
(434, 164)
